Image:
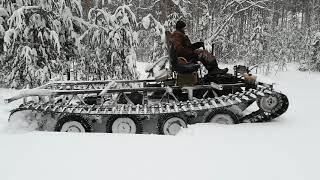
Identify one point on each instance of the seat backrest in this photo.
(171, 50)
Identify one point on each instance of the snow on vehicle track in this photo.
(287, 148)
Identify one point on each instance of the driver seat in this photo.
(187, 72)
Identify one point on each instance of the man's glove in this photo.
(202, 44)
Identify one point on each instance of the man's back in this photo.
(182, 45)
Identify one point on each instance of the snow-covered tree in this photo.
(5, 12)
(37, 30)
(152, 37)
(312, 60)
(108, 46)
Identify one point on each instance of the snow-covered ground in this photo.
(285, 149)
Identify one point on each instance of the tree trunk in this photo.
(307, 14)
(241, 26)
(275, 17)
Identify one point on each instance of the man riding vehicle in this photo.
(191, 52)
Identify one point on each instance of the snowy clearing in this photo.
(287, 148)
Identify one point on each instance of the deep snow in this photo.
(287, 148)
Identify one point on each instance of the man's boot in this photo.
(214, 69)
(217, 70)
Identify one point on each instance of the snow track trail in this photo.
(287, 148)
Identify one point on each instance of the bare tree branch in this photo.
(226, 22)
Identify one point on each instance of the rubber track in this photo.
(163, 108)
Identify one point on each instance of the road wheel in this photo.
(222, 116)
(124, 125)
(171, 124)
(73, 123)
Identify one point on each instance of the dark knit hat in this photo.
(180, 25)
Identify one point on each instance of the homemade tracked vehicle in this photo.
(163, 105)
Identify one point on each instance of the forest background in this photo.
(103, 39)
